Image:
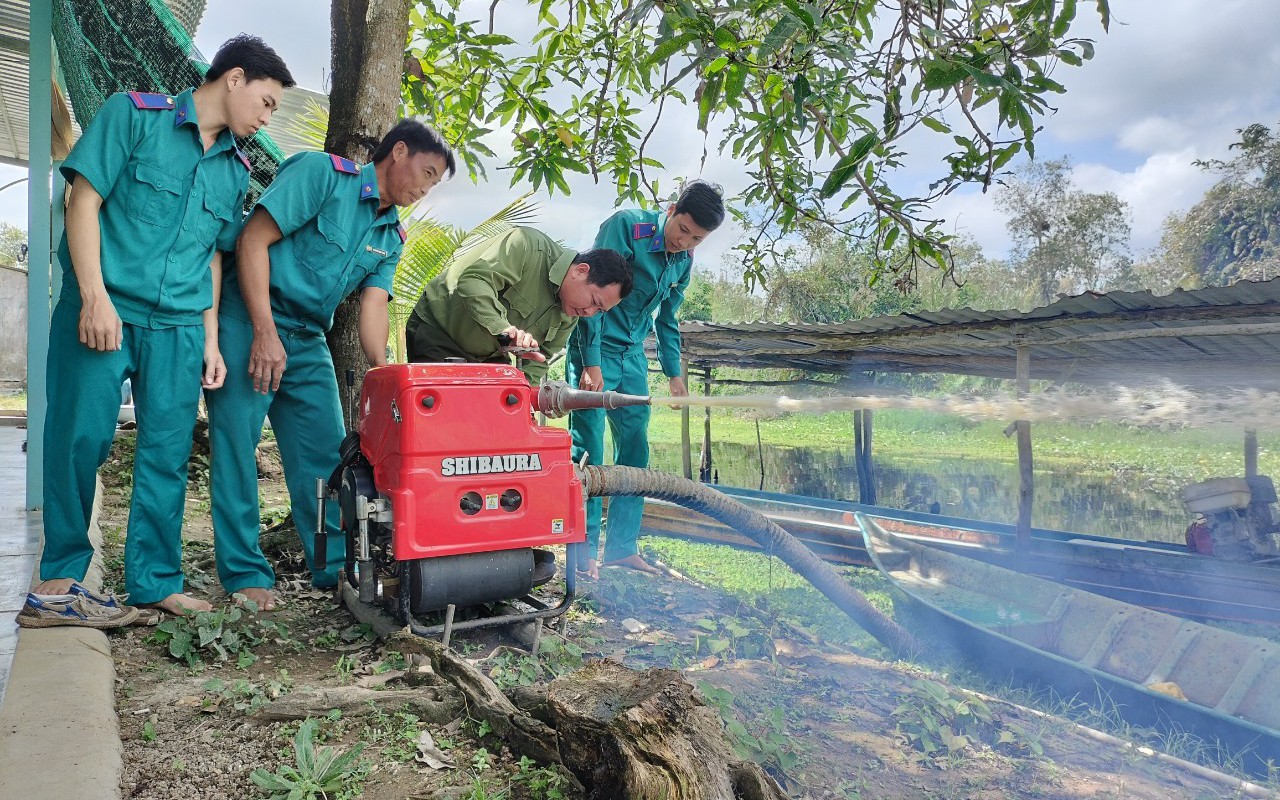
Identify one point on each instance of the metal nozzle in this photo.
(557, 398)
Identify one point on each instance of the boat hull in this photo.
(1156, 575)
(1117, 657)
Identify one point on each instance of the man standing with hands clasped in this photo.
(606, 353)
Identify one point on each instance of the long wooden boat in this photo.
(1158, 575)
(1157, 670)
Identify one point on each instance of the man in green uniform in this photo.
(157, 190)
(521, 284)
(324, 228)
(607, 353)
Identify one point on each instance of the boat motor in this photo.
(1236, 518)
(450, 492)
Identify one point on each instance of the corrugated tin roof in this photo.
(15, 46)
(15, 41)
(1217, 336)
(293, 106)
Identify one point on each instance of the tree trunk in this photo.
(645, 734)
(368, 62)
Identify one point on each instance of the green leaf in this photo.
(800, 92)
(942, 74)
(845, 167)
(207, 636)
(776, 37)
(717, 65)
(1065, 17)
(934, 124)
(669, 47)
(707, 102)
(800, 13)
(725, 39)
(734, 82)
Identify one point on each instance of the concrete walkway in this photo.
(58, 731)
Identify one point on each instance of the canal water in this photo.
(1110, 505)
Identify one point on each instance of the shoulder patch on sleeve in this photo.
(244, 159)
(402, 233)
(643, 230)
(344, 164)
(150, 101)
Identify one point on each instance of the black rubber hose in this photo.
(613, 480)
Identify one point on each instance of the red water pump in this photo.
(450, 492)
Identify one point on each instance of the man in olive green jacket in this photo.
(521, 284)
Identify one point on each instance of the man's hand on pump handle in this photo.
(520, 343)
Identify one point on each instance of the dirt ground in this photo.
(824, 721)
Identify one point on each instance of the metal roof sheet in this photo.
(15, 40)
(15, 45)
(1227, 336)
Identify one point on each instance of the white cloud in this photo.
(1170, 83)
(1164, 183)
(1154, 134)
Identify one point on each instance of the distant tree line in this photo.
(1064, 241)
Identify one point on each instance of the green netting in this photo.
(109, 46)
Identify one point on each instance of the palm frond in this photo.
(519, 212)
(311, 126)
(428, 247)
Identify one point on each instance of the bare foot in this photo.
(634, 561)
(592, 572)
(179, 604)
(264, 599)
(54, 586)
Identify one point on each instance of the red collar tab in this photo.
(344, 164)
(244, 159)
(643, 230)
(150, 101)
(404, 234)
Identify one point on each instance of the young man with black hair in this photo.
(607, 353)
(157, 190)
(325, 228)
(521, 285)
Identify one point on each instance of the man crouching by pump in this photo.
(520, 286)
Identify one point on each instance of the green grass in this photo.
(1181, 455)
(772, 588)
(13, 402)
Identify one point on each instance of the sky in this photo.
(1170, 83)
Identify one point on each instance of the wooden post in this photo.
(1026, 481)
(686, 458)
(868, 465)
(760, 453)
(704, 468)
(1250, 453)
(857, 456)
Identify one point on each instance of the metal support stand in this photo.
(540, 610)
(322, 534)
(367, 580)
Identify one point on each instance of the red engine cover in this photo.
(450, 444)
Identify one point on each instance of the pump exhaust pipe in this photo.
(557, 398)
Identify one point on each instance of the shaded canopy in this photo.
(1223, 336)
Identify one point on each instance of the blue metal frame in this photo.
(39, 239)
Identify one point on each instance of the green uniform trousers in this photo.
(306, 417)
(164, 365)
(629, 428)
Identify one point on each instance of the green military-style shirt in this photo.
(514, 279)
(335, 241)
(660, 279)
(167, 204)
